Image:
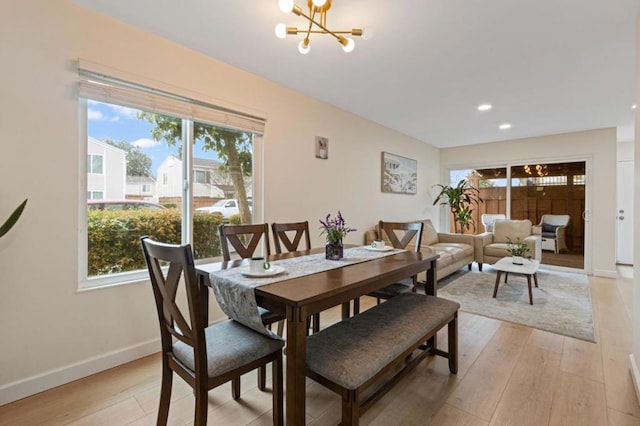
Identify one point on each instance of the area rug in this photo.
(561, 304)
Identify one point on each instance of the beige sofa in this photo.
(455, 250)
(492, 246)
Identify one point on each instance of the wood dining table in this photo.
(300, 297)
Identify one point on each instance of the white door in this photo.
(624, 213)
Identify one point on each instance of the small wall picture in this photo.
(399, 174)
(322, 147)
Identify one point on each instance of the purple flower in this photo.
(336, 229)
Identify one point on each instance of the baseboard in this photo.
(35, 384)
(605, 274)
(635, 375)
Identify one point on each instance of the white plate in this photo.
(273, 271)
(385, 248)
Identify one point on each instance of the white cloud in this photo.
(92, 114)
(124, 111)
(144, 143)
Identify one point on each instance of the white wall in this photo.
(598, 147)
(52, 333)
(635, 355)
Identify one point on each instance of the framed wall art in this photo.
(322, 148)
(399, 174)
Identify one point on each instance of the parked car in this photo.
(123, 205)
(226, 208)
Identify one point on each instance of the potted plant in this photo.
(335, 230)
(13, 219)
(518, 250)
(460, 199)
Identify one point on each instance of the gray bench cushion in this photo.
(354, 350)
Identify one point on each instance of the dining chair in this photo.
(400, 235)
(245, 240)
(204, 356)
(290, 235)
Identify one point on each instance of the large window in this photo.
(185, 164)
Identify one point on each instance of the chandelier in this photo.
(540, 169)
(317, 24)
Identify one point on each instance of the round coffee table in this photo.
(529, 268)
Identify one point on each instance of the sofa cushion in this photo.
(445, 258)
(511, 229)
(457, 251)
(429, 233)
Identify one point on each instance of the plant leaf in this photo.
(13, 219)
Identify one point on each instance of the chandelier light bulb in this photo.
(286, 6)
(349, 46)
(368, 33)
(281, 30)
(304, 47)
(319, 3)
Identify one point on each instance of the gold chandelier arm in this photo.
(313, 21)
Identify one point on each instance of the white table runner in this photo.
(235, 292)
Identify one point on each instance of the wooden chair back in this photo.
(188, 327)
(244, 239)
(401, 240)
(280, 236)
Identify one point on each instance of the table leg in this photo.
(431, 289)
(495, 289)
(535, 278)
(296, 365)
(506, 276)
(430, 285)
(530, 293)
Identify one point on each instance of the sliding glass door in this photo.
(554, 192)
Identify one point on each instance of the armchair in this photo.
(492, 246)
(553, 230)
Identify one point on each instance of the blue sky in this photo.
(119, 123)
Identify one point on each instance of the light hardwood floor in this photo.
(508, 375)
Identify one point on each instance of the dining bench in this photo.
(355, 353)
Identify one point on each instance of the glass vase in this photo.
(334, 250)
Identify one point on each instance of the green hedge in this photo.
(114, 237)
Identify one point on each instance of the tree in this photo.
(138, 163)
(459, 198)
(234, 148)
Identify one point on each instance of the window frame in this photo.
(89, 283)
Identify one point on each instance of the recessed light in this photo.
(504, 126)
(634, 106)
(484, 107)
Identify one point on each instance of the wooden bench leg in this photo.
(453, 344)
(535, 278)
(350, 408)
(235, 387)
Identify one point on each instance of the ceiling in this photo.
(546, 66)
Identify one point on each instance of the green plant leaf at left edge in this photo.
(13, 219)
